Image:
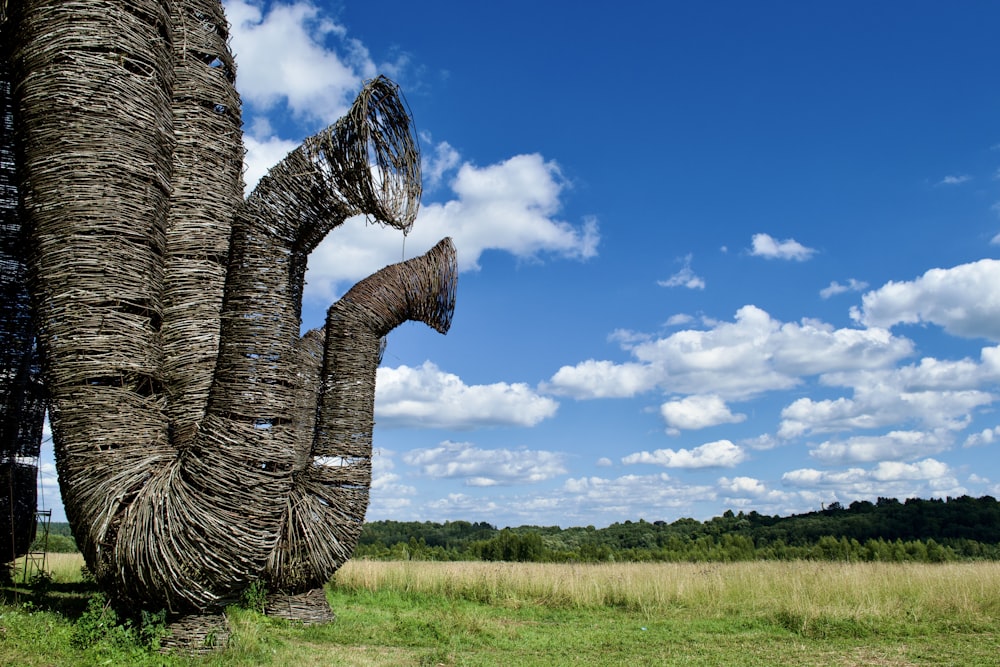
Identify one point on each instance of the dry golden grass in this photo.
(802, 588)
(64, 567)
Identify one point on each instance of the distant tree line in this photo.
(888, 530)
(60, 539)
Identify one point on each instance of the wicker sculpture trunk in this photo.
(202, 443)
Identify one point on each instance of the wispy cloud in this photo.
(486, 467)
(953, 179)
(684, 278)
(679, 319)
(920, 479)
(835, 288)
(985, 437)
(764, 245)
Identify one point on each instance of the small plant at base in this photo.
(40, 581)
(101, 624)
(254, 597)
(98, 622)
(153, 628)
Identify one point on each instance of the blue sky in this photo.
(714, 256)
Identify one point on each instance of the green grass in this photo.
(418, 613)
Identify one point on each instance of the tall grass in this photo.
(63, 567)
(960, 594)
(474, 613)
(793, 593)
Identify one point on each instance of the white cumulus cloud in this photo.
(389, 494)
(937, 394)
(628, 495)
(461, 504)
(743, 485)
(751, 355)
(698, 411)
(880, 406)
(721, 453)
(601, 379)
(283, 60)
(510, 206)
(752, 493)
(764, 245)
(428, 397)
(896, 445)
(964, 300)
(443, 160)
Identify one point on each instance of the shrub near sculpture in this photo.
(202, 444)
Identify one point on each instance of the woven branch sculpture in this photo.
(202, 443)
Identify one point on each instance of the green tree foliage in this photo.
(888, 530)
(509, 545)
(60, 539)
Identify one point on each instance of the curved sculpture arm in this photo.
(325, 513)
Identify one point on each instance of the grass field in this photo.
(423, 613)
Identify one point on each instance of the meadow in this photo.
(480, 613)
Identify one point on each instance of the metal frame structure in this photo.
(22, 405)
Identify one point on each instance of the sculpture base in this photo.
(309, 608)
(196, 634)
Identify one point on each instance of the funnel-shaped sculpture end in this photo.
(421, 289)
(434, 291)
(372, 156)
